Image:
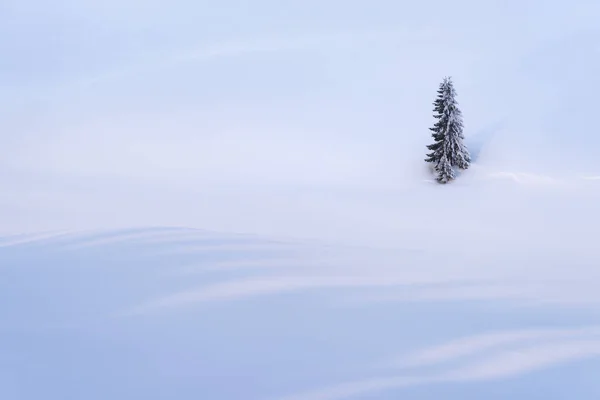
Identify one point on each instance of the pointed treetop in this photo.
(448, 149)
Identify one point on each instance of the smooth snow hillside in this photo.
(149, 313)
(302, 124)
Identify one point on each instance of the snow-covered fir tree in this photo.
(445, 172)
(448, 149)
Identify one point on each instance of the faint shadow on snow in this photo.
(85, 276)
(477, 358)
(477, 141)
(182, 307)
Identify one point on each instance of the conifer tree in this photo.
(448, 149)
(445, 172)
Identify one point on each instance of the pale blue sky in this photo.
(52, 45)
(264, 92)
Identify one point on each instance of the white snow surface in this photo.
(230, 202)
(149, 312)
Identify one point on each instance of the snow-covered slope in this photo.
(161, 313)
(228, 201)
